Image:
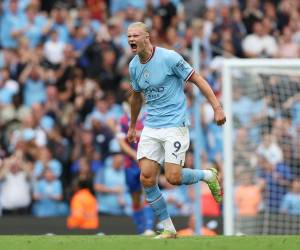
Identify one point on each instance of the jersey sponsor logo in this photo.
(153, 92)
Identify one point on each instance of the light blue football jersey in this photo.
(162, 80)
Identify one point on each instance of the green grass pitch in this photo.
(145, 243)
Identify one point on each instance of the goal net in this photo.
(261, 99)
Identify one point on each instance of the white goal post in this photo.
(249, 75)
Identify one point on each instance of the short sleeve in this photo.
(180, 67)
(133, 80)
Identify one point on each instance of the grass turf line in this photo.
(146, 243)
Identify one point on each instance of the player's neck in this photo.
(146, 54)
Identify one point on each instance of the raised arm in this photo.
(25, 73)
(204, 87)
(136, 102)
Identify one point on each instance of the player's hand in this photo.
(131, 135)
(220, 117)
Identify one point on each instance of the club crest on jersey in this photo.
(146, 74)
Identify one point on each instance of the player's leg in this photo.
(148, 219)
(176, 145)
(149, 172)
(132, 175)
(176, 175)
(150, 154)
(140, 203)
(142, 213)
(137, 212)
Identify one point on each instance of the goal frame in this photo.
(229, 64)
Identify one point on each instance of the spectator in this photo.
(251, 14)
(15, 180)
(274, 180)
(10, 22)
(287, 47)
(95, 51)
(86, 147)
(53, 50)
(115, 31)
(210, 20)
(46, 161)
(32, 131)
(167, 11)
(60, 147)
(259, 43)
(293, 104)
(242, 108)
(247, 198)
(110, 187)
(84, 174)
(8, 88)
(291, 200)
(174, 41)
(86, 19)
(32, 26)
(270, 149)
(100, 116)
(48, 195)
(60, 22)
(109, 78)
(21, 5)
(15, 111)
(32, 78)
(239, 31)
(84, 211)
(243, 150)
(80, 40)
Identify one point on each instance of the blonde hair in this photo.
(141, 25)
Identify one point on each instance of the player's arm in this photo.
(204, 87)
(136, 102)
(126, 148)
(100, 188)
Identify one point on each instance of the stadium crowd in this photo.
(63, 85)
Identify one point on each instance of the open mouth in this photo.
(133, 46)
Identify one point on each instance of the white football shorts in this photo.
(164, 144)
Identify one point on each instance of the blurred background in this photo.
(63, 85)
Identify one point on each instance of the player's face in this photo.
(137, 39)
